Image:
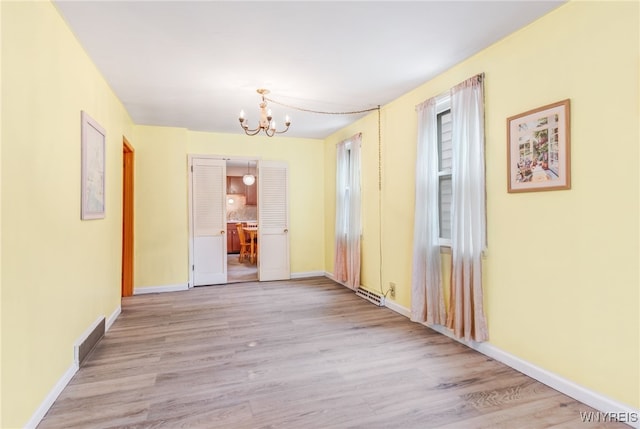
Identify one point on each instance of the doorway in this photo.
(211, 226)
(127, 217)
(241, 209)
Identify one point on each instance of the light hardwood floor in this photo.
(293, 354)
(240, 271)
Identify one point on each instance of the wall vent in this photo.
(88, 341)
(373, 297)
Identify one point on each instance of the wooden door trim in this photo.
(128, 158)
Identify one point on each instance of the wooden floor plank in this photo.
(293, 354)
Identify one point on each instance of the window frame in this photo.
(347, 189)
(443, 106)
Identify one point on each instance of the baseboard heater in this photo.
(373, 297)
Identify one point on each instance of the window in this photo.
(343, 190)
(445, 160)
(348, 222)
(444, 173)
(450, 209)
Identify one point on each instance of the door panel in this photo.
(209, 221)
(273, 221)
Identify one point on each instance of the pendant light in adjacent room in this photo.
(248, 179)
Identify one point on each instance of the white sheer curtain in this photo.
(427, 301)
(348, 222)
(468, 223)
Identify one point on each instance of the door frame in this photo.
(190, 158)
(128, 175)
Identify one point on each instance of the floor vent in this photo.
(373, 297)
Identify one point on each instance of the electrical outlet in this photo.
(392, 289)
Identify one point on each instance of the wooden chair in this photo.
(245, 245)
(252, 235)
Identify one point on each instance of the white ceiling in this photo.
(195, 64)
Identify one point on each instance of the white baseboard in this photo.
(580, 393)
(36, 418)
(51, 397)
(112, 318)
(307, 274)
(160, 289)
(398, 308)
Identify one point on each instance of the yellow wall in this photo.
(161, 229)
(162, 193)
(59, 274)
(0, 219)
(561, 275)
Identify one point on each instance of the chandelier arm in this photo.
(283, 131)
(249, 132)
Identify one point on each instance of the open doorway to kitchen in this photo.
(242, 220)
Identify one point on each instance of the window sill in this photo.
(445, 249)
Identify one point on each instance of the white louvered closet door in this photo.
(209, 225)
(273, 221)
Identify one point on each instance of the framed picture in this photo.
(538, 155)
(93, 168)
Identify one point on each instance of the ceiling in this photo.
(196, 64)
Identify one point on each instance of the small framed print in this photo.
(538, 149)
(93, 168)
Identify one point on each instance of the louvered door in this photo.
(209, 227)
(273, 221)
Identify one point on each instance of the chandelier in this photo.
(266, 123)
